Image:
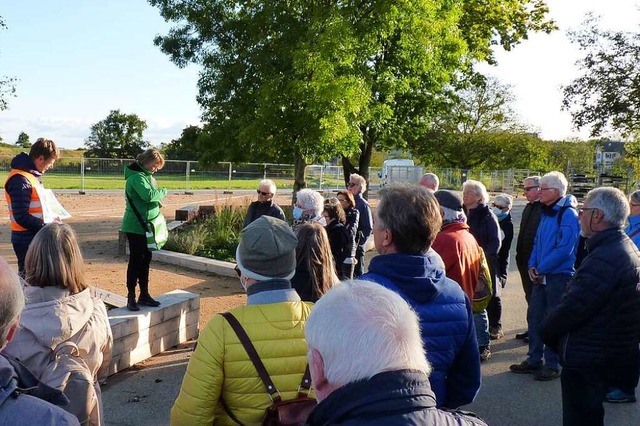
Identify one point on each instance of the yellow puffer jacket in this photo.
(220, 366)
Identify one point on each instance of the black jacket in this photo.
(401, 397)
(339, 242)
(267, 208)
(506, 225)
(597, 323)
(527, 233)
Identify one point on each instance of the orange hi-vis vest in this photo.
(35, 207)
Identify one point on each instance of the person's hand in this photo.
(533, 274)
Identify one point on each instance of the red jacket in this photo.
(461, 255)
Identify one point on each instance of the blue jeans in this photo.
(481, 321)
(544, 298)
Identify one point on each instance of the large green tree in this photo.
(23, 140)
(7, 84)
(186, 146)
(119, 135)
(606, 96)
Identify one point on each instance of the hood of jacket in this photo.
(52, 315)
(135, 168)
(419, 276)
(22, 161)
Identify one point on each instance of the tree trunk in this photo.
(364, 161)
(299, 182)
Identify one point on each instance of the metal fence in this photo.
(108, 173)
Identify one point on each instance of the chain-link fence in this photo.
(108, 173)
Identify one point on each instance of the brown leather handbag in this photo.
(293, 412)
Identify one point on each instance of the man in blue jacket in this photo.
(357, 186)
(407, 221)
(596, 326)
(550, 269)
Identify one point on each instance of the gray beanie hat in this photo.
(267, 250)
(449, 199)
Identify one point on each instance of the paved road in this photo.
(144, 396)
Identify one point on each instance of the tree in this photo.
(607, 93)
(23, 140)
(117, 136)
(474, 127)
(186, 147)
(7, 84)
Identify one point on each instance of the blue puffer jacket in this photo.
(633, 226)
(446, 321)
(19, 190)
(597, 323)
(400, 397)
(555, 246)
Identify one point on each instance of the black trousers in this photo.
(139, 260)
(583, 392)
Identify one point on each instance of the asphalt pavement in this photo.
(143, 395)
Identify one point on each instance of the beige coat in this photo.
(53, 316)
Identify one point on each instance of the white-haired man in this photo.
(371, 368)
(597, 323)
(430, 181)
(551, 266)
(264, 206)
(17, 407)
(357, 186)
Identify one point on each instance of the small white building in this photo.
(607, 152)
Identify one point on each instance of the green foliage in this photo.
(186, 147)
(23, 140)
(117, 136)
(7, 84)
(215, 237)
(605, 96)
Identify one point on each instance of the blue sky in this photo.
(76, 60)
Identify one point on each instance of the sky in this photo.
(76, 60)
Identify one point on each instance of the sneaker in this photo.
(618, 396)
(147, 300)
(524, 368)
(132, 305)
(496, 333)
(545, 374)
(523, 336)
(485, 353)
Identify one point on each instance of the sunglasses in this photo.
(498, 206)
(351, 184)
(529, 188)
(263, 193)
(238, 272)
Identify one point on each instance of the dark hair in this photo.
(314, 252)
(350, 199)
(412, 214)
(45, 147)
(334, 210)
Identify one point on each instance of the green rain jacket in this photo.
(145, 197)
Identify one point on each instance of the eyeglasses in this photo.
(342, 200)
(582, 210)
(263, 193)
(238, 272)
(634, 204)
(546, 189)
(498, 206)
(351, 184)
(529, 188)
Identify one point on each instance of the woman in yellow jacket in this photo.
(220, 377)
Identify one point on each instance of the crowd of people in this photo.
(399, 343)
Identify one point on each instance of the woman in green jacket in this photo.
(140, 189)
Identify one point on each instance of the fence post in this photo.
(82, 176)
(230, 172)
(321, 176)
(186, 191)
(264, 171)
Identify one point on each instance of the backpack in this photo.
(484, 287)
(68, 372)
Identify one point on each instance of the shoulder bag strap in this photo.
(253, 355)
(634, 233)
(137, 213)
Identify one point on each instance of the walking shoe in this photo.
(522, 336)
(618, 396)
(147, 300)
(496, 333)
(545, 374)
(485, 353)
(524, 368)
(132, 305)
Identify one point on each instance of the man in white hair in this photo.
(264, 206)
(430, 181)
(371, 368)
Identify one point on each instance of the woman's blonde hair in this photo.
(313, 251)
(54, 259)
(151, 157)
